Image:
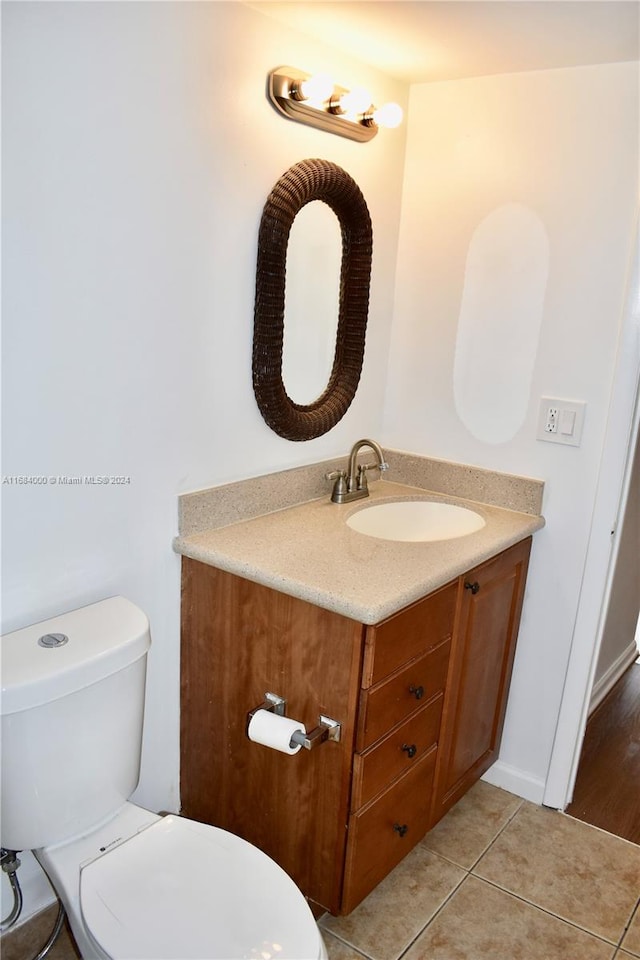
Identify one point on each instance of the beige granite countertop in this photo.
(308, 551)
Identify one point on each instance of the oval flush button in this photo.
(53, 640)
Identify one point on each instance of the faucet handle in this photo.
(340, 486)
(373, 466)
(362, 473)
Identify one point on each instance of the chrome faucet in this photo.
(350, 485)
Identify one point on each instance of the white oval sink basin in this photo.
(415, 520)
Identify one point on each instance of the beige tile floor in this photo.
(497, 879)
(502, 879)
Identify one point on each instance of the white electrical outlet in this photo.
(551, 420)
(561, 421)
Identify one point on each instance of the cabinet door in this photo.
(485, 633)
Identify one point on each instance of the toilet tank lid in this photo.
(104, 637)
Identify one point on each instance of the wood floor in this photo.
(607, 792)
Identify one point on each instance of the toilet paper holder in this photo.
(327, 728)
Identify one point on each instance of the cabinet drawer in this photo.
(408, 634)
(403, 693)
(378, 839)
(398, 752)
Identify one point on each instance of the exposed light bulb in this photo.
(353, 102)
(316, 88)
(389, 115)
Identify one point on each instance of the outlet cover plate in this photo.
(569, 421)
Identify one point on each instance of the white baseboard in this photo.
(611, 676)
(516, 781)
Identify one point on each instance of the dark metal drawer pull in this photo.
(409, 749)
(401, 830)
(418, 692)
(474, 587)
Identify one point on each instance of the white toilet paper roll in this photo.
(274, 731)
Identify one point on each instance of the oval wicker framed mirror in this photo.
(306, 181)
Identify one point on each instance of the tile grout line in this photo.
(504, 826)
(549, 913)
(634, 911)
(437, 913)
(460, 866)
(347, 943)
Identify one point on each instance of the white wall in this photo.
(559, 147)
(138, 151)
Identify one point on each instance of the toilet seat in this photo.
(182, 889)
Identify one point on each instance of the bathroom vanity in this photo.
(420, 692)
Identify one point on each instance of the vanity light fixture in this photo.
(316, 100)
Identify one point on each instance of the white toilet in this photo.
(136, 886)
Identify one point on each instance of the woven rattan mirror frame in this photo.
(306, 181)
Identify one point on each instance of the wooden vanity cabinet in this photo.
(421, 699)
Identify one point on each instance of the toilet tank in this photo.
(71, 716)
